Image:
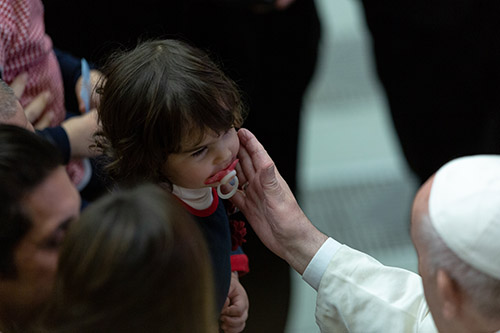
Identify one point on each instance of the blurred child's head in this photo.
(157, 99)
(134, 261)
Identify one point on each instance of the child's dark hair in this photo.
(155, 96)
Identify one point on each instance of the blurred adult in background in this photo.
(38, 201)
(268, 47)
(134, 261)
(130, 254)
(438, 62)
(73, 137)
(26, 51)
(26, 48)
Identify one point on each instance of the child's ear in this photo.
(450, 295)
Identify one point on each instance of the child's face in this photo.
(191, 167)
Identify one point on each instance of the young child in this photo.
(168, 116)
(125, 264)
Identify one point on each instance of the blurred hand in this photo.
(19, 84)
(35, 109)
(80, 130)
(95, 77)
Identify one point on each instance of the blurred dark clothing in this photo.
(439, 64)
(270, 54)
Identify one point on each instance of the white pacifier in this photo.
(232, 179)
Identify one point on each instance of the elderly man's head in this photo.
(37, 202)
(456, 231)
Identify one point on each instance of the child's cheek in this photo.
(236, 143)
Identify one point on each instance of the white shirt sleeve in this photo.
(359, 294)
(317, 266)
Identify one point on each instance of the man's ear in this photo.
(449, 294)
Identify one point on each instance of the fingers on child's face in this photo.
(241, 175)
(246, 164)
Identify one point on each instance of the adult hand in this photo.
(35, 109)
(234, 314)
(271, 209)
(95, 78)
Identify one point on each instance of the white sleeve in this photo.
(317, 266)
(359, 294)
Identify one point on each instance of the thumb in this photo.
(19, 84)
(226, 306)
(36, 107)
(44, 120)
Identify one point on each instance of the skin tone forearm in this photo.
(271, 208)
(80, 131)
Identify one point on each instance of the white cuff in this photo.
(318, 264)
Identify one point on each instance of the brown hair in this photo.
(134, 262)
(154, 97)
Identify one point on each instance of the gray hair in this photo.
(8, 101)
(483, 290)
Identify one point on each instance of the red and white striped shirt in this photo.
(25, 47)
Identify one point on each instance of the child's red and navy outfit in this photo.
(210, 213)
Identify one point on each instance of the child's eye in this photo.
(199, 152)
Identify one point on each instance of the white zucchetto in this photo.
(464, 208)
